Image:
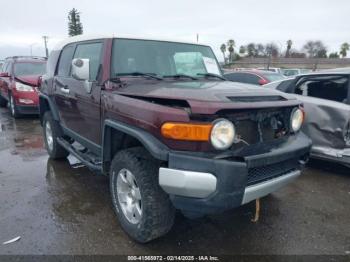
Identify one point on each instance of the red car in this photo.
(254, 77)
(19, 81)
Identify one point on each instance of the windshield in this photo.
(27, 68)
(162, 58)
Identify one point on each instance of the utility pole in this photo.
(197, 37)
(45, 43)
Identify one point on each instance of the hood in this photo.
(207, 97)
(32, 80)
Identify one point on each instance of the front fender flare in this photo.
(156, 148)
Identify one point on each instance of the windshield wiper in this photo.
(152, 75)
(182, 75)
(212, 75)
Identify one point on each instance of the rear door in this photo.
(79, 110)
(327, 105)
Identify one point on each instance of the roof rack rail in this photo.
(28, 56)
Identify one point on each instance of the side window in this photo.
(331, 89)
(93, 53)
(65, 62)
(235, 77)
(8, 68)
(251, 79)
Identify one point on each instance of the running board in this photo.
(80, 156)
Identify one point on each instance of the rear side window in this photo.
(65, 61)
(91, 51)
(7, 68)
(251, 79)
(335, 89)
(236, 77)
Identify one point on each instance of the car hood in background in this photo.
(32, 80)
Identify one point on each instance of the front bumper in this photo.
(28, 110)
(199, 184)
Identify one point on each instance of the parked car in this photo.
(19, 81)
(294, 71)
(272, 69)
(326, 99)
(254, 77)
(171, 133)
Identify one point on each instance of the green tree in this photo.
(75, 27)
(242, 50)
(230, 46)
(333, 55)
(251, 50)
(344, 49)
(223, 50)
(271, 50)
(315, 49)
(289, 47)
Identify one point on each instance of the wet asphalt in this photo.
(60, 207)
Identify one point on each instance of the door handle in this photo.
(64, 90)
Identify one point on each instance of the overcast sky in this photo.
(23, 22)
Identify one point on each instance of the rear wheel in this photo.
(51, 133)
(3, 102)
(144, 210)
(13, 108)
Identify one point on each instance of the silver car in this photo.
(326, 98)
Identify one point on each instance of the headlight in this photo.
(296, 119)
(222, 134)
(23, 88)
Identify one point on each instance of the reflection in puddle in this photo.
(21, 136)
(72, 191)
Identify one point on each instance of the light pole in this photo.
(45, 43)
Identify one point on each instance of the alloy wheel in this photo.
(129, 196)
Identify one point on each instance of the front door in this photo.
(79, 110)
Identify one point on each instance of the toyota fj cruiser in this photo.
(168, 129)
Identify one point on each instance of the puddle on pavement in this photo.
(21, 136)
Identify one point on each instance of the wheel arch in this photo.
(46, 104)
(118, 136)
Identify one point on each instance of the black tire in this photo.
(157, 211)
(13, 108)
(3, 102)
(55, 151)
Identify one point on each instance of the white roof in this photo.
(79, 38)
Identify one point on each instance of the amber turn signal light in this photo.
(185, 131)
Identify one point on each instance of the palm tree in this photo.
(344, 49)
(223, 50)
(231, 44)
(289, 47)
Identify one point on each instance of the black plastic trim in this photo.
(157, 149)
(52, 106)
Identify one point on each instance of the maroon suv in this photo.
(19, 80)
(171, 133)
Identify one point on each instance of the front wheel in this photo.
(13, 108)
(144, 210)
